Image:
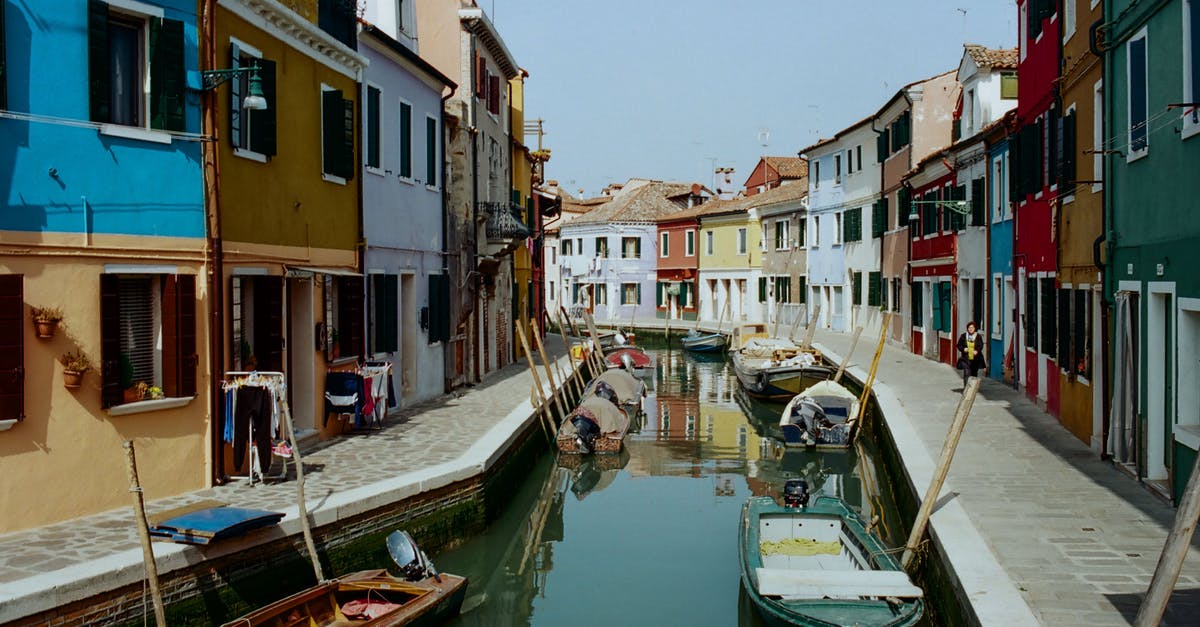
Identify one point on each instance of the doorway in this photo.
(301, 345)
(408, 337)
(1159, 360)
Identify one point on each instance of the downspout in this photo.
(216, 267)
(360, 241)
(474, 133)
(447, 349)
(1106, 239)
(883, 233)
(908, 234)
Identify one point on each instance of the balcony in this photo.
(505, 228)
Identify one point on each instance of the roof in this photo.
(647, 202)
(900, 93)
(743, 204)
(788, 167)
(838, 135)
(405, 53)
(477, 23)
(999, 59)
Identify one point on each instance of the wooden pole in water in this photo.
(1166, 573)
(543, 408)
(139, 515)
(939, 475)
(555, 391)
(812, 327)
(597, 351)
(846, 360)
(301, 502)
(866, 391)
(778, 310)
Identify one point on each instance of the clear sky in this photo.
(671, 89)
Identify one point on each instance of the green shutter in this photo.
(918, 295)
(943, 305)
(373, 149)
(803, 294)
(875, 289)
(235, 98)
(762, 289)
(639, 295)
(431, 146)
(658, 293)
(856, 288)
(167, 77)
(405, 140)
(262, 123)
(903, 206)
(348, 132)
(99, 63)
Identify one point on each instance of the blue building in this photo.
(1001, 296)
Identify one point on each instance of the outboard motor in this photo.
(606, 392)
(413, 563)
(586, 432)
(627, 362)
(795, 493)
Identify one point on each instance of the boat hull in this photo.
(831, 428)
(866, 553)
(779, 382)
(704, 343)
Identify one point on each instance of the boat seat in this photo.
(835, 584)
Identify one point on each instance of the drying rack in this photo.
(277, 382)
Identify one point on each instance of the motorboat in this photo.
(823, 415)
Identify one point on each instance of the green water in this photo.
(650, 538)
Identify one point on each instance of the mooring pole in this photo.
(939, 475)
(555, 392)
(574, 378)
(139, 515)
(1173, 554)
(543, 407)
(846, 360)
(812, 328)
(301, 502)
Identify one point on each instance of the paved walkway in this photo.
(443, 440)
(1078, 538)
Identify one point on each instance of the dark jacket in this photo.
(975, 362)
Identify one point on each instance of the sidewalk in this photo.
(1077, 538)
(421, 448)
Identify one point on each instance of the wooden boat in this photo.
(824, 415)
(630, 390)
(640, 360)
(777, 369)
(704, 342)
(597, 425)
(371, 597)
(818, 565)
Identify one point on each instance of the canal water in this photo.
(650, 537)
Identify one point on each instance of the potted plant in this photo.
(74, 366)
(46, 320)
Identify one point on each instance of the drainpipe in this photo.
(474, 132)
(216, 267)
(882, 197)
(447, 349)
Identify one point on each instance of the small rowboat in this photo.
(371, 597)
(818, 565)
(630, 390)
(704, 342)
(777, 369)
(641, 361)
(822, 416)
(597, 425)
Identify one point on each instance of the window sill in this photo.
(406, 180)
(250, 154)
(141, 407)
(374, 170)
(5, 425)
(333, 179)
(1134, 156)
(433, 188)
(135, 132)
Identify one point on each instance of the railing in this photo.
(504, 221)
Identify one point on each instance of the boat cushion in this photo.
(835, 584)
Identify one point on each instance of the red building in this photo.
(1036, 155)
(933, 258)
(771, 172)
(678, 265)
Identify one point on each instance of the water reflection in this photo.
(609, 540)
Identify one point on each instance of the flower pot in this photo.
(46, 328)
(72, 378)
(131, 395)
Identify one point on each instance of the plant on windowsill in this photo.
(335, 350)
(46, 320)
(74, 366)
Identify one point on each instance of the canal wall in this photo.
(960, 559)
(440, 505)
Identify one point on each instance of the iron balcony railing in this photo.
(504, 221)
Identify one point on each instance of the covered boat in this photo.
(777, 369)
(818, 565)
(824, 415)
(371, 597)
(629, 389)
(704, 342)
(597, 425)
(639, 360)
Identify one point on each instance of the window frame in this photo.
(1143, 36)
(743, 241)
(708, 243)
(433, 179)
(689, 243)
(373, 142)
(637, 246)
(782, 235)
(664, 244)
(1191, 69)
(637, 294)
(326, 174)
(405, 147)
(601, 243)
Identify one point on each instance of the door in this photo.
(408, 337)
(1159, 360)
(301, 354)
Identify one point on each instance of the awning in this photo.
(306, 271)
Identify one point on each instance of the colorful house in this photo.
(771, 172)
(287, 201)
(1152, 64)
(102, 217)
(1080, 223)
(933, 256)
(782, 287)
(401, 171)
(1002, 318)
(675, 293)
(730, 260)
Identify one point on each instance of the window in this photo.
(553, 254)
(852, 225)
(251, 131)
(631, 293)
(802, 290)
(125, 47)
(762, 289)
(837, 228)
(708, 242)
(1191, 66)
(664, 244)
(12, 346)
(599, 292)
(875, 289)
(929, 213)
(1098, 135)
(741, 241)
(147, 334)
(406, 141)
(1068, 22)
(856, 280)
(1008, 85)
(816, 231)
(918, 307)
(997, 305)
(602, 247)
(1064, 328)
(896, 298)
(802, 236)
(550, 292)
(781, 235)
(858, 155)
(1049, 319)
(686, 291)
(783, 289)
(337, 135)
(431, 151)
(690, 243)
(903, 206)
(1081, 342)
(383, 332)
(1031, 313)
(631, 248)
(337, 18)
(439, 308)
(849, 161)
(816, 175)
(372, 115)
(344, 301)
(837, 169)
(999, 189)
(1138, 96)
(958, 221)
(879, 217)
(882, 146)
(568, 246)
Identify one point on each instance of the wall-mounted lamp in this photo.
(960, 207)
(255, 101)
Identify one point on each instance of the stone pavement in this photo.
(1077, 537)
(448, 438)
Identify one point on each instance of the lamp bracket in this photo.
(211, 79)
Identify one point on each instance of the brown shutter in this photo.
(170, 335)
(481, 74)
(179, 335)
(12, 345)
(350, 315)
(268, 322)
(110, 341)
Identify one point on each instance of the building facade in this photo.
(730, 261)
(1002, 317)
(783, 285)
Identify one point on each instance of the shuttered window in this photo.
(852, 224)
(431, 151)
(1065, 350)
(802, 293)
(879, 217)
(337, 135)
(659, 294)
(929, 214)
(762, 289)
(783, 289)
(958, 219)
(147, 334)
(903, 206)
(631, 293)
(384, 328)
(942, 319)
(493, 100)
(350, 315)
(1069, 147)
(918, 306)
(1031, 313)
(118, 65)
(406, 140)
(167, 78)
(875, 289)
(856, 288)
(439, 307)
(1081, 344)
(12, 346)
(373, 148)
(978, 202)
(1049, 319)
(685, 294)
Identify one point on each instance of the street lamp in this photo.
(255, 101)
(960, 207)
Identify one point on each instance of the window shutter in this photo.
(875, 289)
(167, 78)
(268, 322)
(918, 294)
(235, 99)
(1194, 33)
(1069, 149)
(372, 121)
(110, 341)
(481, 77)
(803, 285)
(1031, 313)
(350, 315)
(99, 70)
(431, 151)
(3, 68)
(639, 295)
(856, 289)
(262, 123)
(1049, 318)
(945, 303)
(376, 306)
(762, 289)
(978, 202)
(903, 206)
(12, 345)
(331, 125)
(494, 94)
(406, 140)
(658, 294)
(179, 358)
(348, 154)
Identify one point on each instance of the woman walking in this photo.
(970, 352)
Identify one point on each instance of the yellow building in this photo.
(522, 196)
(731, 256)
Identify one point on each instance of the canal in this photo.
(650, 537)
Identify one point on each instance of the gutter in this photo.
(216, 266)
